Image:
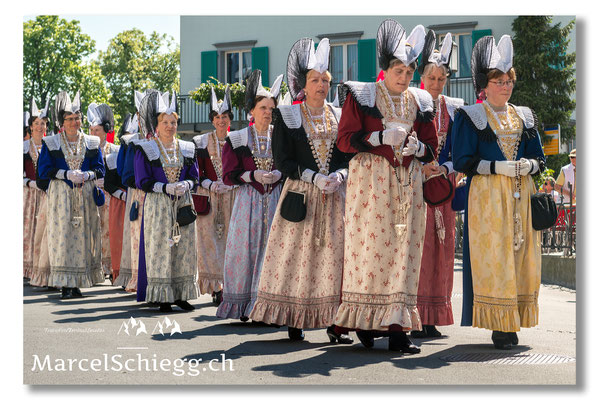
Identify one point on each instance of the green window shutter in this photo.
(478, 34)
(367, 60)
(260, 61)
(209, 65)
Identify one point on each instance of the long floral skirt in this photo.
(116, 219)
(31, 209)
(384, 232)
(41, 260)
(248, 232)
(75, 252)
(104, 212)
(436, 269)
(171, 270)
(300, 284)
(131, 233)
(506, 278)
(212, 230)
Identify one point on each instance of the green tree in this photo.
(545, 72)
(53, 54)
(134, 61)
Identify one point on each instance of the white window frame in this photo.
(344, 45)
(240, 55)
(455, 61)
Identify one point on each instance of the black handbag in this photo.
(185, 212)
(543, 210)
(186, 215)
(134, 212)
(293, 208)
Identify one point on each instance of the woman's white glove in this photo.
(391, 136)
(259, 176)
(507, 168)
(100, 183)
(32, 184)
(272, 177)
(326, 184)
(75, 176)
(413, 148)
(171, 188)
(528, 166)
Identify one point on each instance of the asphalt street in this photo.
(108, 338)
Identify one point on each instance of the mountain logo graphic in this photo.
(132, 326)
(161, 327)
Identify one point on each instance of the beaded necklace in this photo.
(261, 151)
(321, 136)
(217, 160)
(171, 160)
(74, 156)
(34, 152)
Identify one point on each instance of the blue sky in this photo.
(102, 28)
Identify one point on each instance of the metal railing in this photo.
(561, 237)
(194, 113)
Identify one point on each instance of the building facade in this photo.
(228, 48)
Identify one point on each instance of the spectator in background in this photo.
(549, 187)
(566, 181)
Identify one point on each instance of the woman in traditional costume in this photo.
(101, 122)
(118, 192)
(300, 284)
(36, 264)
(214, 200)
(248, 162)
(166, 170)
(129, 266)
(436, 270)
(72, 161)
(390, 126)
(498, 146)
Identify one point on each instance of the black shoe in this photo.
(244, 319)
(67, 293)
(513, 338)
(366, 338)
(217, 297)
(341, 338)
(399, 341)
(501, 340)
(166, 307)
(76, 292)
(431, 331)
(295, 334)
(184, 305)
(419, 334)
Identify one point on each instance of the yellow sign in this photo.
(551, 146)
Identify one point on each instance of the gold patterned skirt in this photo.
(300, 284)
(384, 234)
(212, 230)
(74, 252)
(505, 281)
